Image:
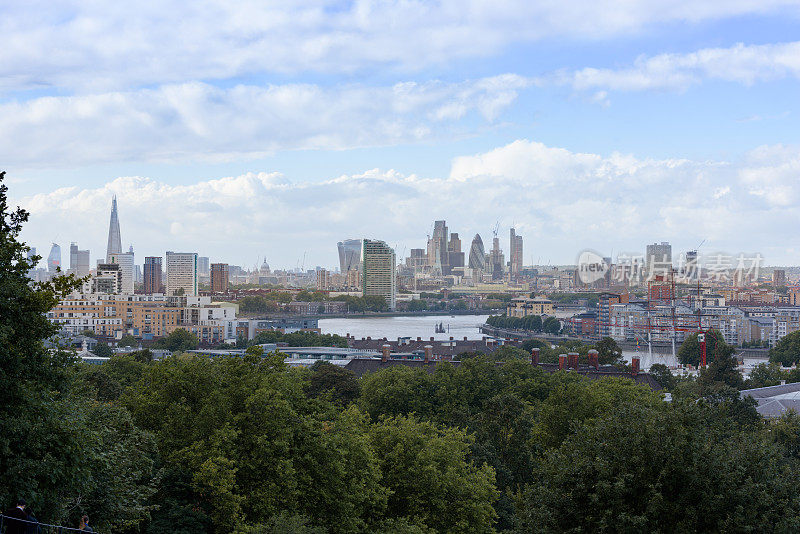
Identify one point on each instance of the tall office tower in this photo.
(78, 260)
(181, 273)
(438, 258)
(202, 266)
(691, 269)
(417, 260)
(107, 279)
(378, 270)
(152, 275)
(515, 250)
(658, 260)
(54, 259)
(455, 258)
(778, 278)
(220, 275)
(114, 239)
(138, 277)
(477, 255)
(125, 260)
(349, 255)
(496, 260)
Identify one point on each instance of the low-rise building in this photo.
(523, 307)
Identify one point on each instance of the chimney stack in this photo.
(594, 359)
(562, 362)
(428, 353)
(535, 356)
(573, 360)
(635, 365)
(385, 353)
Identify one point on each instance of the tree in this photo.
(429, 477)
(179, 340)
(765, 374)
(551, 325)
(787, 350)
(127, 341)
(663, 376)
(690, 351)
(103, 350)
(609, 351)
(666, 468)
(52, 452)
(336, 383)
(251, 444)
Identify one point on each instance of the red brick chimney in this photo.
(635, 365)
(385, 353)
(594, 359)
(573, 360)
(535, 356)
(428, 353)
(562, 362)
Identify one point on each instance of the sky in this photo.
(256, 129)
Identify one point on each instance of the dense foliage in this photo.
(299, 339)
(787, 350)
(532, 323)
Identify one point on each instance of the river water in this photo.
(459, 327)
(414, 326)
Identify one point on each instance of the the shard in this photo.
(114, 239)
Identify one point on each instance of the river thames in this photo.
(423, 326)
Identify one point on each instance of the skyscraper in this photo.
(455, 258)
(202, 266)
(349, 255)
(477, 254)
(515, 249)
(125, 260)
(114, 239)
(438, 258)
(496, 260)
(379, 271)
(152, 275)
(79, 260)
(54, 259)
(219, 277)
(658, 260)
(181, 273)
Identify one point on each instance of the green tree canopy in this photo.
(690, 350)
(179, 340)
(787, 350)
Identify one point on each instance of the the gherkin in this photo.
(477, 254)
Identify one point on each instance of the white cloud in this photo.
(561, 202)
(746, 64)
(200, 121)
(99, 46)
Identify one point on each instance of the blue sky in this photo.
(276, 129)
